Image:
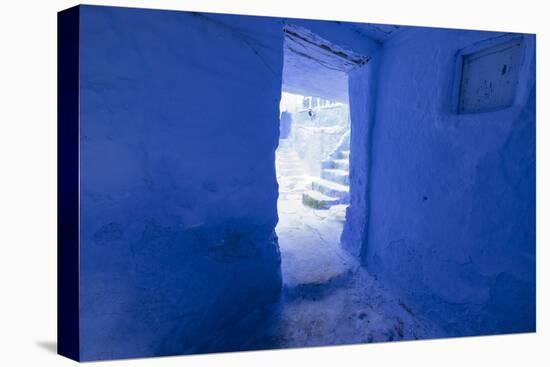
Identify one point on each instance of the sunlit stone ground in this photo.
(328, 298)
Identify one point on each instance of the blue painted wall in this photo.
(178, 187)
(451, 215)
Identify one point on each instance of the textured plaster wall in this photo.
(178, 187)
(362, 100)
(451, 214)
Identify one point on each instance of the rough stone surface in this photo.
(328, 298)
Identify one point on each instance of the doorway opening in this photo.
(328, 298)
(312, 162)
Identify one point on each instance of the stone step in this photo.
(344, 154)
(336, 175)
(339, 163)
(316, 200)
(332, 189)
(342, 164)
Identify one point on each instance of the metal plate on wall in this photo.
(490, 77)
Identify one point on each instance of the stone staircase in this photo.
(332, 188)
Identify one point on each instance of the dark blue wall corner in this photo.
(68, 339)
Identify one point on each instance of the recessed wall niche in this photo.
(489, 77)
